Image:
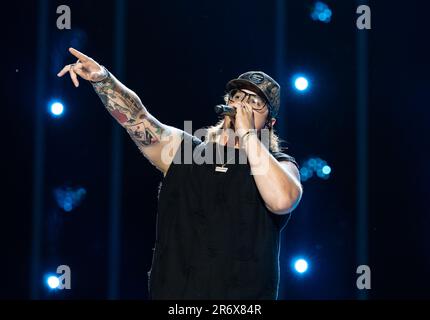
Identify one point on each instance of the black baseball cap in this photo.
(261, 83)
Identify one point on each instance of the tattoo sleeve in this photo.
(125, 106)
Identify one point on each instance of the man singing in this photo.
(219, 221)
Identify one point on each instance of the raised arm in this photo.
(157, 141)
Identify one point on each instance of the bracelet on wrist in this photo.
(247, 134)
(106, 76)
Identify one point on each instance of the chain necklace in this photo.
(222, 168)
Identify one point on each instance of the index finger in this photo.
(82, 57)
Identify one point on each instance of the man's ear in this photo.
(273, 121)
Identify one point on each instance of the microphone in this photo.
(224, 110)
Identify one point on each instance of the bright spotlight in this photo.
(53, 282)
(301, 265)
(315, 167)
(326, 169)
(321, 12)
(301, 83)
(56, 108)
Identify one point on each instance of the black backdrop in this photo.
(178, 55)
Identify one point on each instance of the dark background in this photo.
(178, 55)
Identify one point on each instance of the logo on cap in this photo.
(257, 78)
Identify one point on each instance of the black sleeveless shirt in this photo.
(215, 237)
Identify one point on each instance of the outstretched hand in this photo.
(85, 67)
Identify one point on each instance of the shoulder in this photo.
(189, 143)
(188, 138)
(184, 153)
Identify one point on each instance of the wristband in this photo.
(251, 131)
(107, 75)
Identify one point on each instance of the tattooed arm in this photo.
(158, 142)
(148, 133)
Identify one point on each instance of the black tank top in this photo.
(215, 237)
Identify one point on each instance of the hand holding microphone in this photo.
(243, 117)
(225, 110)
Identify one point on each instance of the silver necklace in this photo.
(222, 168)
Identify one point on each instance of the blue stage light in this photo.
(56, 108)
(53, 282)
(326, 170)
(321, 12)
(316, 166)
(301, 83)
(300, 265)
(305, 173)
(312, 163)
(69, 198)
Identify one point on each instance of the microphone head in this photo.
(219, 109)
(223, 110)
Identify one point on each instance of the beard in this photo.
(229, 123)
(228, 135)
